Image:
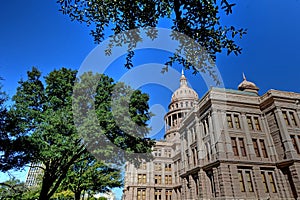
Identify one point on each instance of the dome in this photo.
(184, 91)
(247, 86)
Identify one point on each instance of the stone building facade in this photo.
(230, 144)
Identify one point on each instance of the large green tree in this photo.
(197, 19)
(43, 115)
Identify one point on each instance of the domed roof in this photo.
(247, 85)
(184, 91)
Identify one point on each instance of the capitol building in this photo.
(228, 144)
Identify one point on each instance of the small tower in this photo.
(248, 86)
(182, 101)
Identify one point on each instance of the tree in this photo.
(197, 19)
(43, 115)
(91, 175)
(12, 189)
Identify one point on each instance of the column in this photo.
(217, 136)
(270, 144)
(289, 150)
(228, 145)
(212, 139)
(250, 149)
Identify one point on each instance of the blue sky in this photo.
(34, 33)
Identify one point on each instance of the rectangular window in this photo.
(195, 157)
(286, 119)
(142, 178)
(157, 166)
(168, 167)
(263, 148)
(293, 119)
(264, 180)
(143, 166)
(256, 149)
(242, 147)
(141, 194)
(268, 181)
(168, 153)
(241, 180)
(229, 121)
(295, 144)
(250, 125)
(157, 179)
(157, 194)
(272, 183)
(168, 194)
(257, 124)
(168, 179)
(237, 122)
(249, 181)
(234, 146)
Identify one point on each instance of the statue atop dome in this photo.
(248, 86)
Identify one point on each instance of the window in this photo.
(141, 178)
(205, 126)
(157, 152)
(168, 194)
(286, 119)
(195, 157)
(234, 146)
(263, 177)
(143, 166)
(242, 146)
(168, 167)
(257, 124)
(157, 179)
(293, 119)
(256, 149)
(263, 148)
(272, 183)
(245, 179)
(268, 181)
(249, 121)
(241, 180)
(168, 153)
(168, 179)
(157, 166)
(229, 121)
(249, 181)
(237, 122)
(141, 194)
(295, 143)
(157, 194)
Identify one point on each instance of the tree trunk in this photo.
(77, 195)
(45, 190)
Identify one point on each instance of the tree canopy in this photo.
(42, 116)
(200, 20)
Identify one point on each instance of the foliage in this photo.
(121, 114)
(63, 195)
(11, 189)
(43, 118)
(91, 175)
(32, 193)
(197, 19)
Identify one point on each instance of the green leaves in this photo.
(200, 20)
(91, 175)
(53, 122)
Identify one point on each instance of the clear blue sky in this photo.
(34, 33)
